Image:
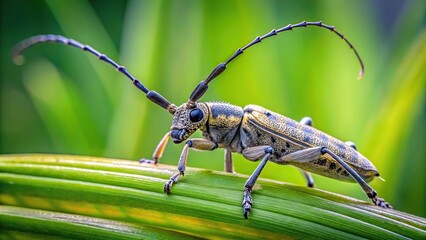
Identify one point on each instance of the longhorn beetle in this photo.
(253, 131)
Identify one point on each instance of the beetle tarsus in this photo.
(381, 202)
(247, 202)
(148, 161)
(246, 212)
(168, 185)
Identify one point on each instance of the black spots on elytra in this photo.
(258, 134)
(277, 154)
(273, 140)
(332, 166)
(283, 150)
(270, 115)
(287, 145)
(321, 162)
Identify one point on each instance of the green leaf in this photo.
(31, 223)
(84, 197)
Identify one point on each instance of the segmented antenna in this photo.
(203, 85)
(151, 95)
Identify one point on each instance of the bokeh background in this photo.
(63, 100)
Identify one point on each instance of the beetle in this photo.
(253, 131)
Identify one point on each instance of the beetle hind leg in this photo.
(311, 154)
(371, 193)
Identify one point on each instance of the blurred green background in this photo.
(63, 100)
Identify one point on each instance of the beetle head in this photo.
(187, 120)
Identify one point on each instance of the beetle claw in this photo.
(168, 186)
(247, 208)
(148, 161)
(247, 202)
(246, 213)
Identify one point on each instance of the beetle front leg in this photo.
(250, 153)
(158, 152)
(197, 143)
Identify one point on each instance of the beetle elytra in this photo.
(253, 131)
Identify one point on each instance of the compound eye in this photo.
(196, 115)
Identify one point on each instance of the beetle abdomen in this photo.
(264, 127)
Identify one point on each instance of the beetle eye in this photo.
(196, 115)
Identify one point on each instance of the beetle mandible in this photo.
(253, 131)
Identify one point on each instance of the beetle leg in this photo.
(303, 156)
(158, 152)
(196, 143)
(229, 166)
(307, 121)
(371, 193)
(309, 179)
(248, 187)
(311, 154)
(254, 153)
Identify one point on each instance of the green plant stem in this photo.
(203, 204)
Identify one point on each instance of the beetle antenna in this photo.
(151, 95)
(203, 85)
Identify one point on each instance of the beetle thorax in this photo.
(223, 122)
